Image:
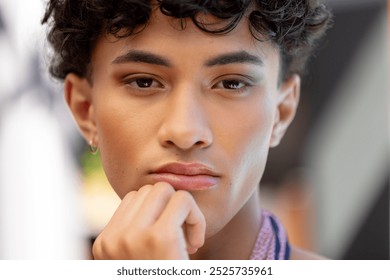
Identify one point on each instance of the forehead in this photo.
(182, 40)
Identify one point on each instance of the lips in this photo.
(190, 177)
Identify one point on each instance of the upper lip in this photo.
(187, 169)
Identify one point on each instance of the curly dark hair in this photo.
(296, 26)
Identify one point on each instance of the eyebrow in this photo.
(143, 57)
(150, 58)
(234, 57)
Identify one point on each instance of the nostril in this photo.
(184, 135)
(185, 144)
(200, 143)
(169, 143)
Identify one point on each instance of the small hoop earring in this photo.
(93, 149)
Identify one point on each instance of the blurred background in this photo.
(328, 180)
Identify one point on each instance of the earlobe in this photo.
(288, 99)
(77, 92)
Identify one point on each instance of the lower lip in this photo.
(186, 182)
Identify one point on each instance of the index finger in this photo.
(183, 210)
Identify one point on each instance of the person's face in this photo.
(209, 102)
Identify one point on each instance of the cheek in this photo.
(249, 147)
(248, 133)
(244, 138)
(122, 140)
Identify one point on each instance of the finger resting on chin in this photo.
(182, 210)
(154, 204)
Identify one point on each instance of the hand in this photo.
(155, 222)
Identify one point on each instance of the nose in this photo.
(185, 124)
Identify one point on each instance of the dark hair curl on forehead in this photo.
(295, 26)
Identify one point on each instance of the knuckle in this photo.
(107, 246)
(97, 251)
(127, 247)
(140, 244)
(153, 239)
(164, 187)
(144, 189)
(129, 196)
(99, 248)
(183, 197)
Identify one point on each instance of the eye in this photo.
(143, 83)
(234, 85)
(231, 84)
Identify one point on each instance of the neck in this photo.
(237, 238)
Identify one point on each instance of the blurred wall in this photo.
(337, 148)
(40, 215)
(348, 153)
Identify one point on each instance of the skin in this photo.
(165, 95)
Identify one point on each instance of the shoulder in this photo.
(300, 254)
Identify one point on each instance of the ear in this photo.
(288, 99)
(78, 97)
